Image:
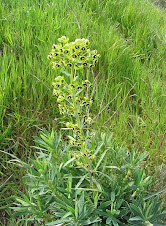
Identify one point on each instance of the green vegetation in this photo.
(160, 3)
(88, 179)
(96, 184)
(129, 97)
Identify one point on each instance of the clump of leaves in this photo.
(146, 212)
(87, 180)
(60, 190)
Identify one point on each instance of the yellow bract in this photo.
(74, 55)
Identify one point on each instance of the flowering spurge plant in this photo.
(88, 180)
(72, 92)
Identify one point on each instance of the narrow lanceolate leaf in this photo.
(136, 219)
(58, 222)
(154, 194)
(98, 185)
(71, 209)
(143, 156)
(112, 167)
(92, 221)
(20, 213)
(67, 215)
(80, 182)
(101, 159)
(137, 210)
(113, 196)
(69, 161)
(22, 201)
(105, 204)
(160, 216)
(98, 148)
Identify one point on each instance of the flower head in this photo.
(63, 39)
(72, 54)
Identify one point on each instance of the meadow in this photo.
(129, 80)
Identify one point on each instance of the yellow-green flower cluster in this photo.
(78, 137)
(80, 158)
(71, 99)
(72, 92)
(73, 102)
(73, 54)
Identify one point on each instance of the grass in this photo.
(130, 77)
(160, 3)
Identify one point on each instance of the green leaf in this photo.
(98, 185)
(155, 194)
(113, 196)
(98, 148)
(58, 222)
(67, 214)
(80, 182)
(136, 219)
(101, 159)
(136, 210)
(92, 221)
(20, 213)
(71, 209)
(39, 203)
(69, 161)
(109, 220)
(105, 204)
(112, 167)
(22, 201)
(160, 216)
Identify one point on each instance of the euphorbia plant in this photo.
(88, 180)
(72, 92)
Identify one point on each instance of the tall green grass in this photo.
(129, 81)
